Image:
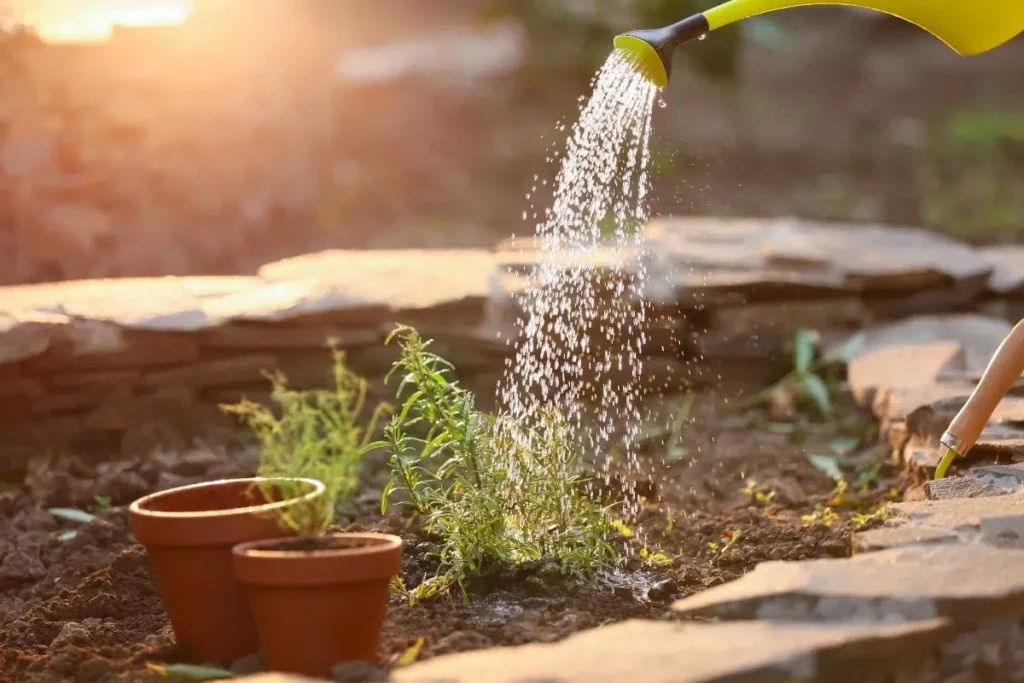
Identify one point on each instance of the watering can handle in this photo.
(1002, 373)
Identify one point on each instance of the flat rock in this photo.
(979, 482)
(901, 366)
(961, 515)
(308, 300)
(240, 336)
(899, 536)
(960, 487)
(662, 652)
(1007, 262)
(22, 337)
(212, 373)
(396, 279)
(979, 336)
(160, 303)
(1007, 478)
(789, 316)
(95, 345)
(966, 582)
(914, 258)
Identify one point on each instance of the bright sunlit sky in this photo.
(90, 20)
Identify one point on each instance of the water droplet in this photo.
(662, 104)
(702, 36)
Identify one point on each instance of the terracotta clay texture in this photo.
(188, 533)
(318, 602)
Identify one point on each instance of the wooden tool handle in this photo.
(1002, 372)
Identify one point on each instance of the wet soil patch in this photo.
(77, 601)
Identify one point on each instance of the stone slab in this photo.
(253, 337)
(901, 366)
(979, 482)
(914, 258)
(211, 373)
(887, 537)
(306, 300)
(951, 488)
(82, 345)
(961, 515)
(663, 652)
(969, 583)
(160, 303)
(1007, 262)
(26, 334)
(1007, 478)
(979, 336)
(396, 279)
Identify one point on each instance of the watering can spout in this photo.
(968, 28)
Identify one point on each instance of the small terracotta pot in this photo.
(188, 533)
(318, 601)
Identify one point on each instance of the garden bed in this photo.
(724, 490)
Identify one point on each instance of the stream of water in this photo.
(582, 330)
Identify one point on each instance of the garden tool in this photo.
(969, 27)
(1002, 373)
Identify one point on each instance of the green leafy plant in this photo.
(314, 434)
(879, 514)
(822, 514)
(492, 491)
(809, 376)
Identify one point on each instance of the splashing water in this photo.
(582, 327)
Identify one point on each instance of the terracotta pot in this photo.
(188, 533)
(318, 601)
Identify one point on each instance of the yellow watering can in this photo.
(969, 27)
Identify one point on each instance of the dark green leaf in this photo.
(803, 350)
(844, 445)
(827, 464)
(818, 391)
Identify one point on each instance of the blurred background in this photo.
(174, 137)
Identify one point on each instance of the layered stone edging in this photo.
(135, 363)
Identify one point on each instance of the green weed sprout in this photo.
(493, 492)
(807, 373)
(315, 434)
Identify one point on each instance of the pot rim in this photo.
(138, 506)
(256, 550)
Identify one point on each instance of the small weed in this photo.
(881, 513)
(809, 377)
(822, 515)
(103, 503)
(318, 435)
(491, 490)
(728, 538)
(621, 527)
(654, 558)
(670, 522)
(750, 490)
